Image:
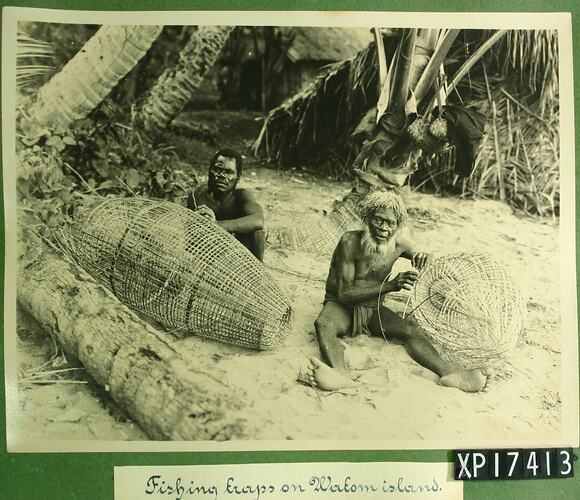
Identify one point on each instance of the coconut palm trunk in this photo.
(386, 153)
(176, 85)
(384, 158)
(88, 77)
(387, 157)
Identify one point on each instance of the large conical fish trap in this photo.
(470, 308)
(182, 270)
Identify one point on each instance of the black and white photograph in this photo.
(230, 231)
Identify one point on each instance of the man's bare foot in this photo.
(324, 377)
(468, 380)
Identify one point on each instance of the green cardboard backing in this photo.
(89, 476)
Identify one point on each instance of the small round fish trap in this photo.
(470, 308)
(182, 270)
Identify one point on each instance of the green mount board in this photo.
(89, 476)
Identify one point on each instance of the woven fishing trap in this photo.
(470, 308)
(182, 270)
(317, 236)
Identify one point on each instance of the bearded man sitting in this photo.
(358, 275)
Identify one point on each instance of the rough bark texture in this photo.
(170, 398)
(176, 85)
(89, 76)
(387, 154)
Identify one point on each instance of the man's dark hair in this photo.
(229, 153)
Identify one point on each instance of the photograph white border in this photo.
(500, 20)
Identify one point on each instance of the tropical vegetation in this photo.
(368, 118)
(509, 76)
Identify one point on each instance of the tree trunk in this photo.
(176, 85)
(89, 76)
(373, 171)
(168, 395)
(388, 141)
(415, 70)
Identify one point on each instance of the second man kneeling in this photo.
(235, 210)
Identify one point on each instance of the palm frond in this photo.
(471, 61)
(528, 151)
(329, 105)
(32, 57)
(515, 71)
(432, 68)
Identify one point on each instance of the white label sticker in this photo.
(288, 481)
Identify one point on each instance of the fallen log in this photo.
(169, 397)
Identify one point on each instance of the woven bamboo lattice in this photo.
(318, 236)
(470, 308)
(178, 268)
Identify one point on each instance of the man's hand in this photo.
(404, 281)
(206, 213)
(420, 260)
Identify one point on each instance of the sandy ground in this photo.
(395, 398)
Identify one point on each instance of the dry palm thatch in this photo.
(173, 265)
(533, 56)
(326, 44)
(519, 156)
(326, 114)
(324, 109)
(521, 141)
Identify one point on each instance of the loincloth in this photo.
(361, 316)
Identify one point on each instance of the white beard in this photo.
(370, 246)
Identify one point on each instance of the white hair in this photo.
(378, 200)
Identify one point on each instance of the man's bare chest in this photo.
(223, 209)
(374, 268)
